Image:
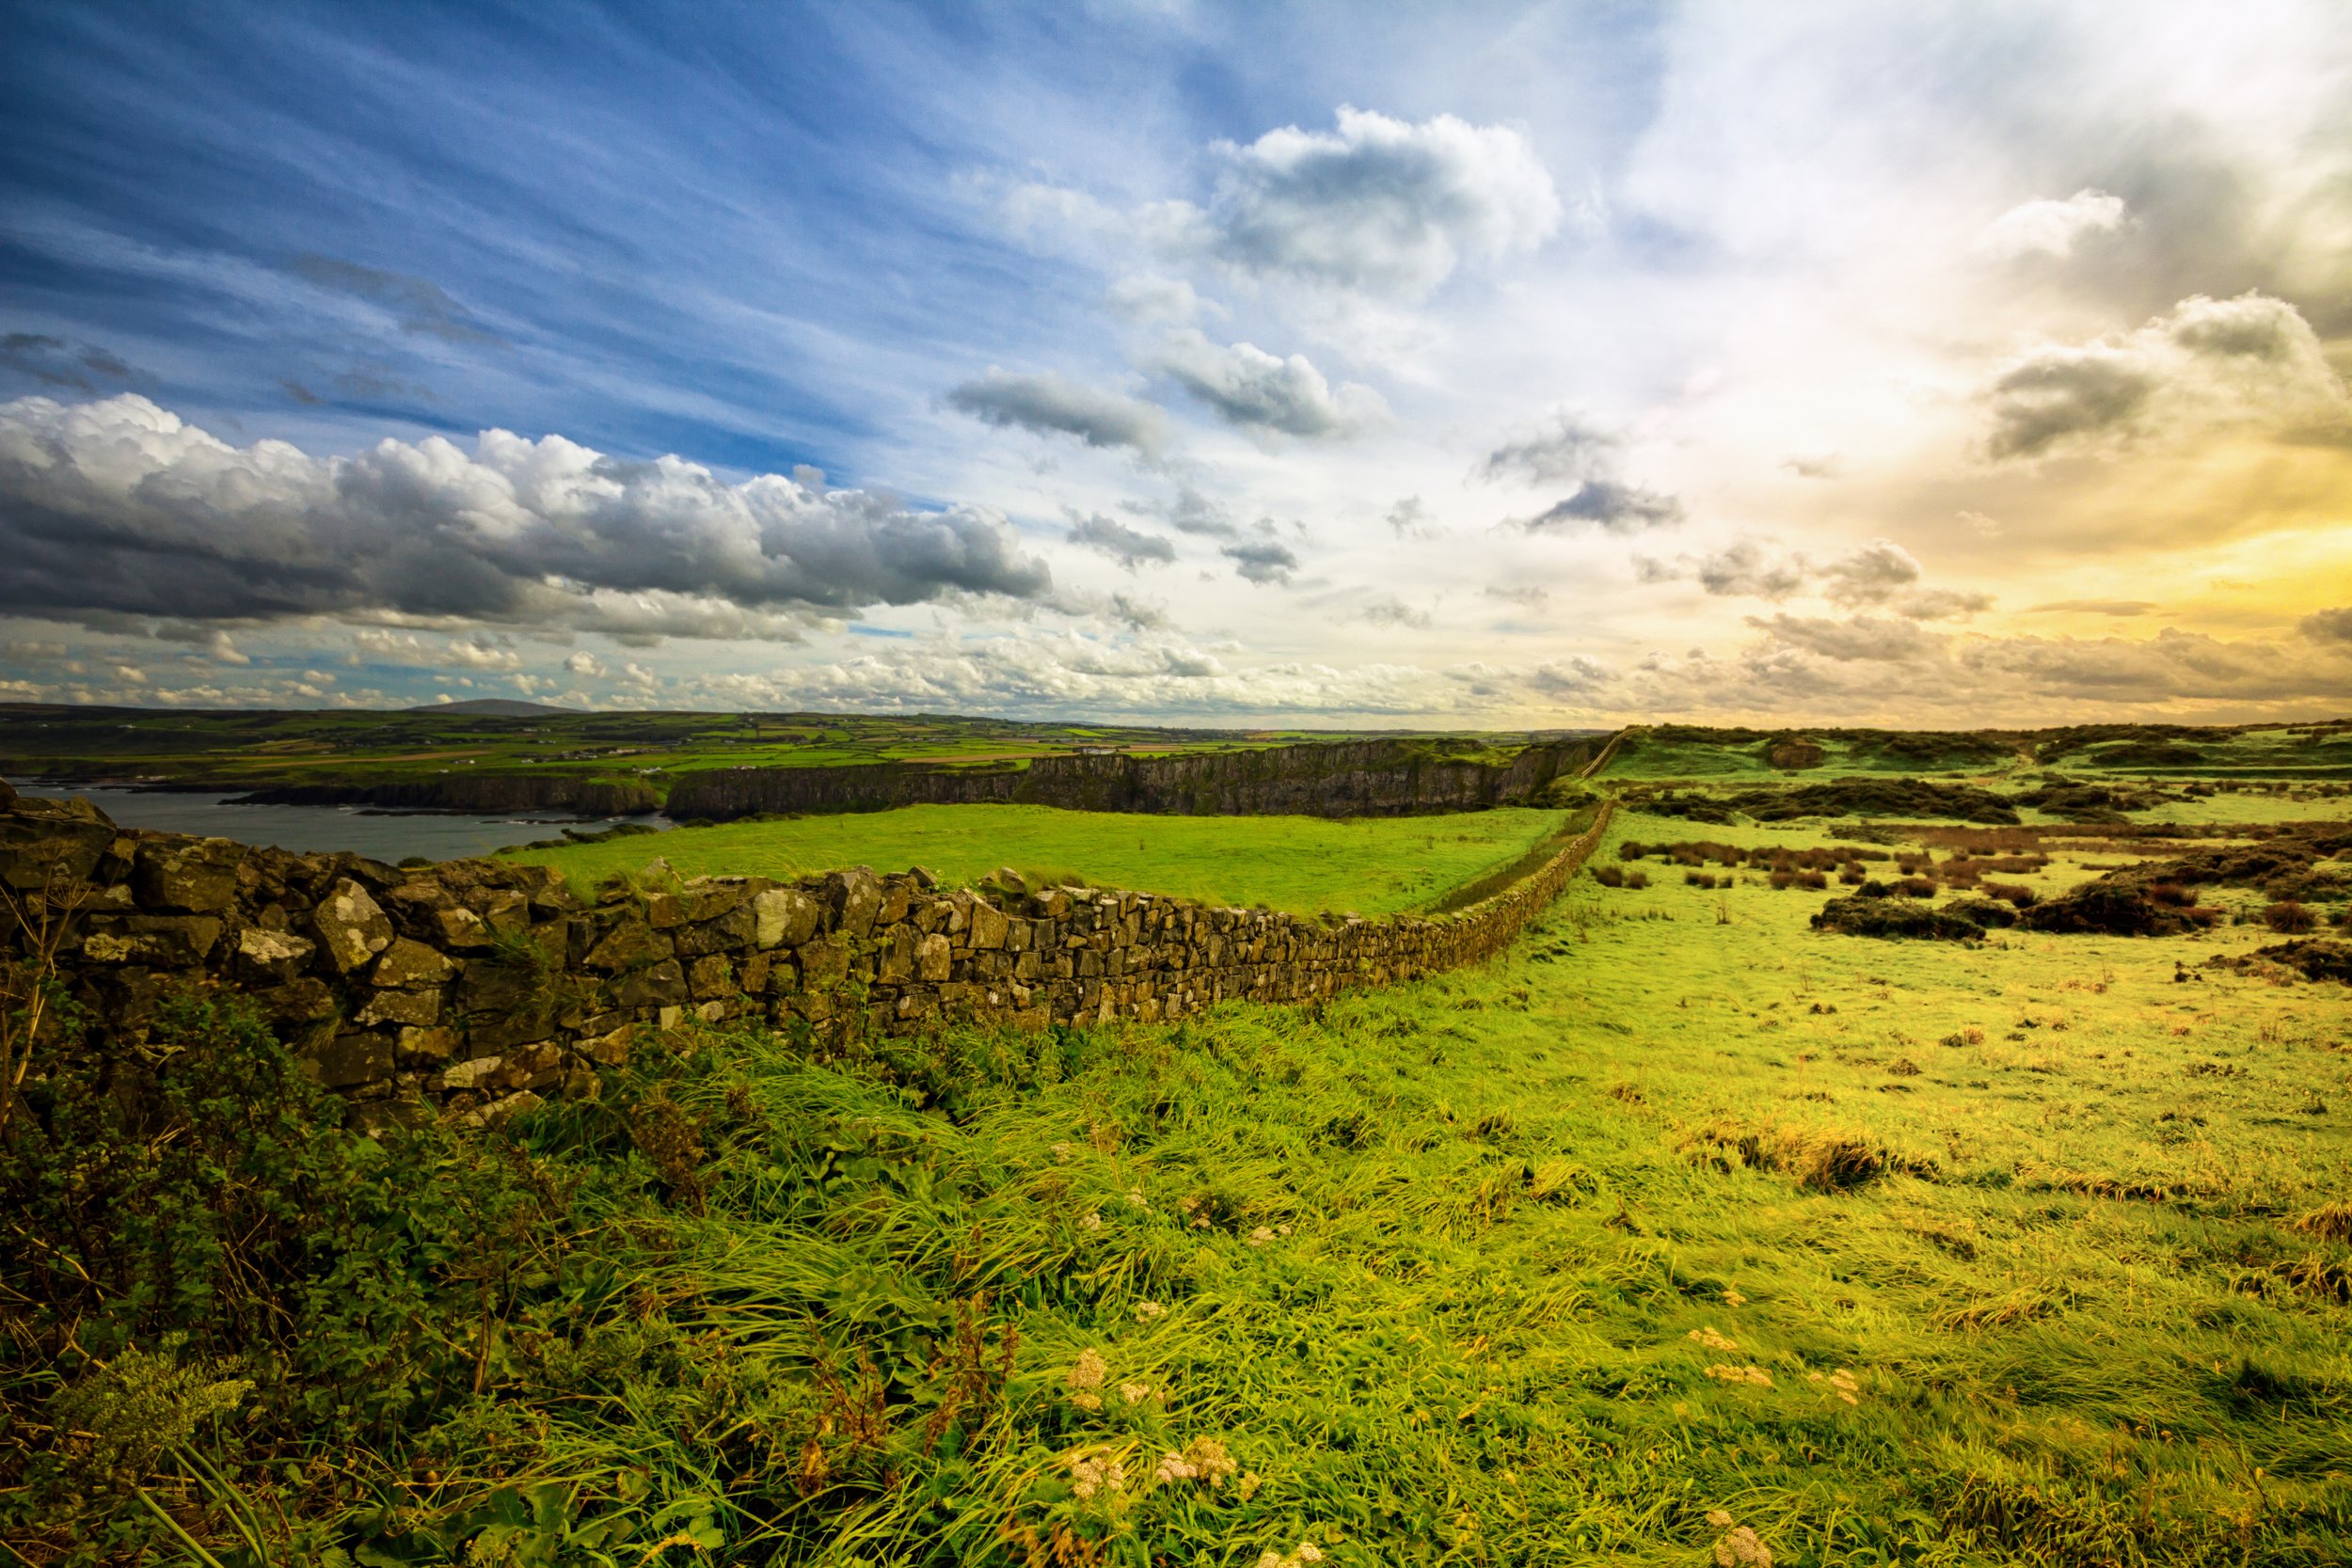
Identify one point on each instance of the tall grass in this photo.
(1675, 1221)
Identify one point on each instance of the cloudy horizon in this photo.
(1496, 366)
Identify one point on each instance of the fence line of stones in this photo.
(472, 989)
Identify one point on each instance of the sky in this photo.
(1465, 365)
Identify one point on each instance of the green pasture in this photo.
(1678, 1233)
(1305, 864)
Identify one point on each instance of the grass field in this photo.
(1678, 1233)
(1301, 864)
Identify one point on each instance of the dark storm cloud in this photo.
(2329, 625)
(118, 509)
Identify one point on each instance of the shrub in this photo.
(1861, 917)
(2289, 918)
(2171, 894)
(1916, 887)
(1608, 876)
(1852, 876)
(1812, 881)
(1637, 879)
(2012, 893)
(1783, 878)
(2105, 909)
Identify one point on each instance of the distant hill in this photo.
(495, 707)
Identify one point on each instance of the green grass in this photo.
(1305, 864)
(1675, 1212)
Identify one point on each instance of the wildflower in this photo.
(1062, 1151)
(1733, 1298)
(1725, 1373)
(1147, 1310)
(1841, 1383)
(1741, 1549)
(1091, 1220)
(1211, 1463)
(1261, 1236)
(1307, 1552)
(1712, 1340)
(1719, 1519)
(1281, 1231)
(1248, 1486)
(1174, 1467)
(1086, 1380)
(1135, 1393)
(1136, 1200)
(1096, 1470)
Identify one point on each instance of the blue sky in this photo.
(1492, 364)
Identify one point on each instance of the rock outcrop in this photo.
(1368, 778)
(470, 989)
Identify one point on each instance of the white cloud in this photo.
(2207, 363)
(1049, 405)
(1130, 547)
(2051, 227)
(1379, 204)
(118, 509)
(1245, 386)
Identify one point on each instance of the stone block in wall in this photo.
(783, 917)
(488, 987)
(710, 976)
(854, 897)
(259, 956)
(350, 925)
(629, 944)
(51, 842)
(989, 927)
(753, 977)
(459, 927)
(472, 1073)
(418, 1006)
(426, 1046)
(823, 963)
(302, 1000)
(932, 960)
(656, 985)
(894, 955)
(898, 897)
(612, 1047)
(505, 1031)
(188, 876)
(407, 962)
(725, 933)
(154, 941)
(350, 1060)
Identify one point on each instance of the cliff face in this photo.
(1372, 778)
(487, 792)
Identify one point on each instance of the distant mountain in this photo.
(495, 707)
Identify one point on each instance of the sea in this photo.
(373, 831)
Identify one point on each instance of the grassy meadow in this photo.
(1678, 1233)
(1305, 864)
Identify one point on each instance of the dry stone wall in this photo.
(470, 989)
